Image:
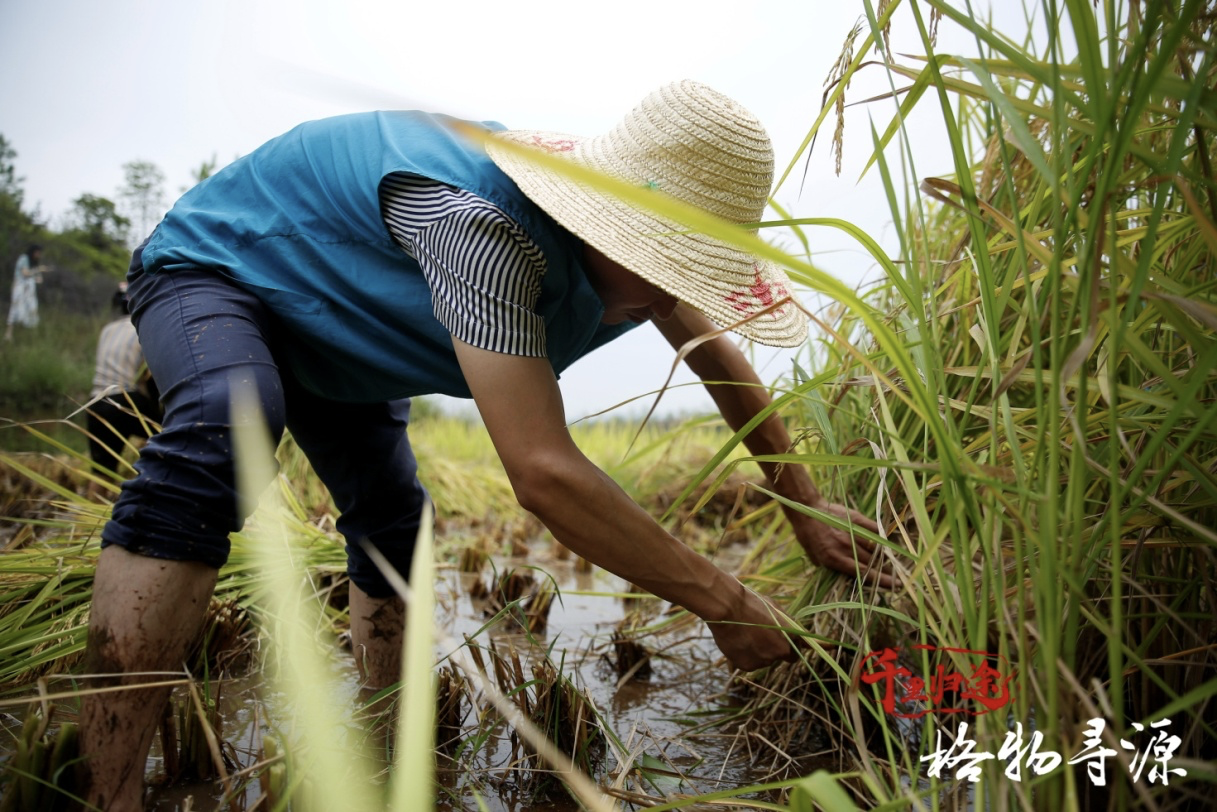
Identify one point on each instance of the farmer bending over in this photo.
(357, 261)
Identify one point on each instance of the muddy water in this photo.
(652, 721)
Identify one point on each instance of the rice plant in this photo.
(40, 768)
(517, 599)
(46, 583)
(1027, 400)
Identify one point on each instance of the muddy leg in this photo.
(146, 612)
(377, 629)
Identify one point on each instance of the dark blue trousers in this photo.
(201, 335)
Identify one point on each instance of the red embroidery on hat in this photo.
(758, 296)
(553, 144)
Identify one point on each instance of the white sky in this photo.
(86, 87)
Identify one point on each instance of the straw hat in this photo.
(695, 144)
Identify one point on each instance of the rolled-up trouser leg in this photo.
(201, 335)
(362, 454)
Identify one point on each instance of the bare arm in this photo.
(521, 405)
(720, 360)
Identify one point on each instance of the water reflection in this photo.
(651, 724)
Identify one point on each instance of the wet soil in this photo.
(660, 745)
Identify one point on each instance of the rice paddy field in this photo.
(1026, 400)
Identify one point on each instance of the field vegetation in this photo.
(1027, 400)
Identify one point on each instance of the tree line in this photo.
(91, 247)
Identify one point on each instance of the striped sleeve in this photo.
(484, 271)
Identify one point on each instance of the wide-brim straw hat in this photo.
(693, 143)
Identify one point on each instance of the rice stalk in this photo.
(326, 753)
(39, 775)
(516, 597)
(1044, 466)
(452, 697)
(551, 705)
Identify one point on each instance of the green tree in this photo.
(10, 184)
(94, 239)
(99, 221)
(144, 194)
(203, 171)
(16, 227)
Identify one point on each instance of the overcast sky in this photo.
(86, 87)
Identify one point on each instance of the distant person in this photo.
(27, 276)
(122, 400)
(360, 260)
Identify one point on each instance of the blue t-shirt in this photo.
(298, 222)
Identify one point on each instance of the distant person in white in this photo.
(27, 276)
